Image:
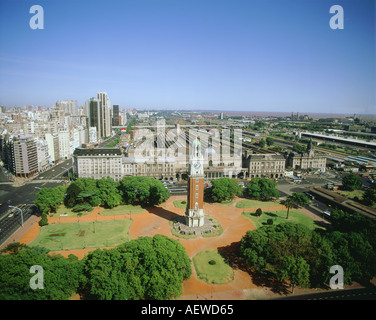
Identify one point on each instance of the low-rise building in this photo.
(309, 159)
(98, 163)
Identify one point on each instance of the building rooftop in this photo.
(98, 152)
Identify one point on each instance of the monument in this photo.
(194, 214)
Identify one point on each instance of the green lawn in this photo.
(80, 235)
(352, 194)
(63, 211)
(279, 216)
(180, 204)
(225, 203)
(256, 204)
(218, 273)
(122, 209)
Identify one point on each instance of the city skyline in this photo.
(240, 56)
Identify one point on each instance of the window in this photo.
(196, 195)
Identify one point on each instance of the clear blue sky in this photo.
(251, 55)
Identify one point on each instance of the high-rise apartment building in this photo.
(115, 115)
(24, 156)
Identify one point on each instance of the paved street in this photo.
(22, 197)
(58, 172)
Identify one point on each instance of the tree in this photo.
(48, 199)
(13, 248)
(262, 189)
(294, 269)
(295, 200)
(224, 189)
(351, 182)
(299, 147)
(266, 245)
(60, 275)
(262, 143)
(109, 192)
(288, 203)
(143, 190)
(300, 199)
(83, 190)
(144, 268)
(269, 141)
(369, 197)
(258, 212)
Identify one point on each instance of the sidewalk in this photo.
(26, 233)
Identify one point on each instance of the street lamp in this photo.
(21, 213)
(68, 172)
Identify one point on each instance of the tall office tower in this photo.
(115, 115)
(93, 112)
(24, 156)
(106, 120)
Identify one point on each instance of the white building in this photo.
(93, 135)
(64, 144)
(44, 159)
(98, 163)
(53, 146)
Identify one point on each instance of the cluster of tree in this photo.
(295, 253)
(61, 276)
(223, 189)
(369, 197)
(299, 147)
(262, 189)
(145, 268)
(257, 126)
(351, 182)
(143, 190)
(328, 146)
(85, 193)
(105, 192)
(268, 141)
(48, 200)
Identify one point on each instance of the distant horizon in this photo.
(235, 112)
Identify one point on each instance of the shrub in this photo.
(258, 212)
(43, 220)
(82, 207)
(212, 262)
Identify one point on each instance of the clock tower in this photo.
(194, 214)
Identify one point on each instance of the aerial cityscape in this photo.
(187, 150)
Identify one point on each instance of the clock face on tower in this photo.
(197, 165)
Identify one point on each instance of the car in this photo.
(327, 212)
